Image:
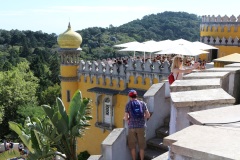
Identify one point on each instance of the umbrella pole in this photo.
(144, 57)
(134, 54)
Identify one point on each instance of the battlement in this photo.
(219, 19)
(155, 71)
(220, 30)
(220, 41)
(220, 24)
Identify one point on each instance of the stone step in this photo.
(151, 153)
(167, 121)
(162, 132)
(157, 144)
(163, 156)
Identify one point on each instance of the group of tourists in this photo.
(9, 146)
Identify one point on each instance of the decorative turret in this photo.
(69, 39)
(69, 43)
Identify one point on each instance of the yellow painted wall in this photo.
(227, 33)
(224, 51)
(218, 33)
(94, 136)
(68, 71)
(138, 84)
(72, 87)
(227, 50)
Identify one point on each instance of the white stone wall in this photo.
(159, 106)
(114, 71)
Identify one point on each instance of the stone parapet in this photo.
(154, 71)
(220, 19)
(227, 69)
(224, 77)
(193, 84)
(115, 146)
(219, 41)
(158, 106)
(226, 116)
(204, 142)
(206, 75)
(233, 80)
(201, 98)
(233, 65)
(190, 101)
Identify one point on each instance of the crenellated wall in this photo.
(220, 19)
(107, 70)
(220, 30)
(220, 41)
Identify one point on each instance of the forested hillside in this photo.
(98, 42)
(29, 62)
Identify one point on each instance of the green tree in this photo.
(48, 95)
(1, 114)
(58, 131)
(17, 89)
(29, 111)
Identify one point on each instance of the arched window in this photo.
(106, 119)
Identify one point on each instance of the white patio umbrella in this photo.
(138, 47)
(196, 44)
(125, 45)
(148, 46)
(182, 42)
(203, 46)
(128, 44)
(184, 49)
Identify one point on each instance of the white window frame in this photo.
(107, 108)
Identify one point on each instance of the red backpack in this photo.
(171, 78)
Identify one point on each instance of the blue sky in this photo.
(52, 16)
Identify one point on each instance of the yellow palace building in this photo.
(106, 83)
(221, 32)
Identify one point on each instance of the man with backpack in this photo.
(135, 114)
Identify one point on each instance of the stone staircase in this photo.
(155, 145)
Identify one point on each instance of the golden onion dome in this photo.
(69, 39)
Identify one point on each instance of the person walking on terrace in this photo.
(178, 70)
(136, 112)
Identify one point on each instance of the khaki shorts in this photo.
(136, 135)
